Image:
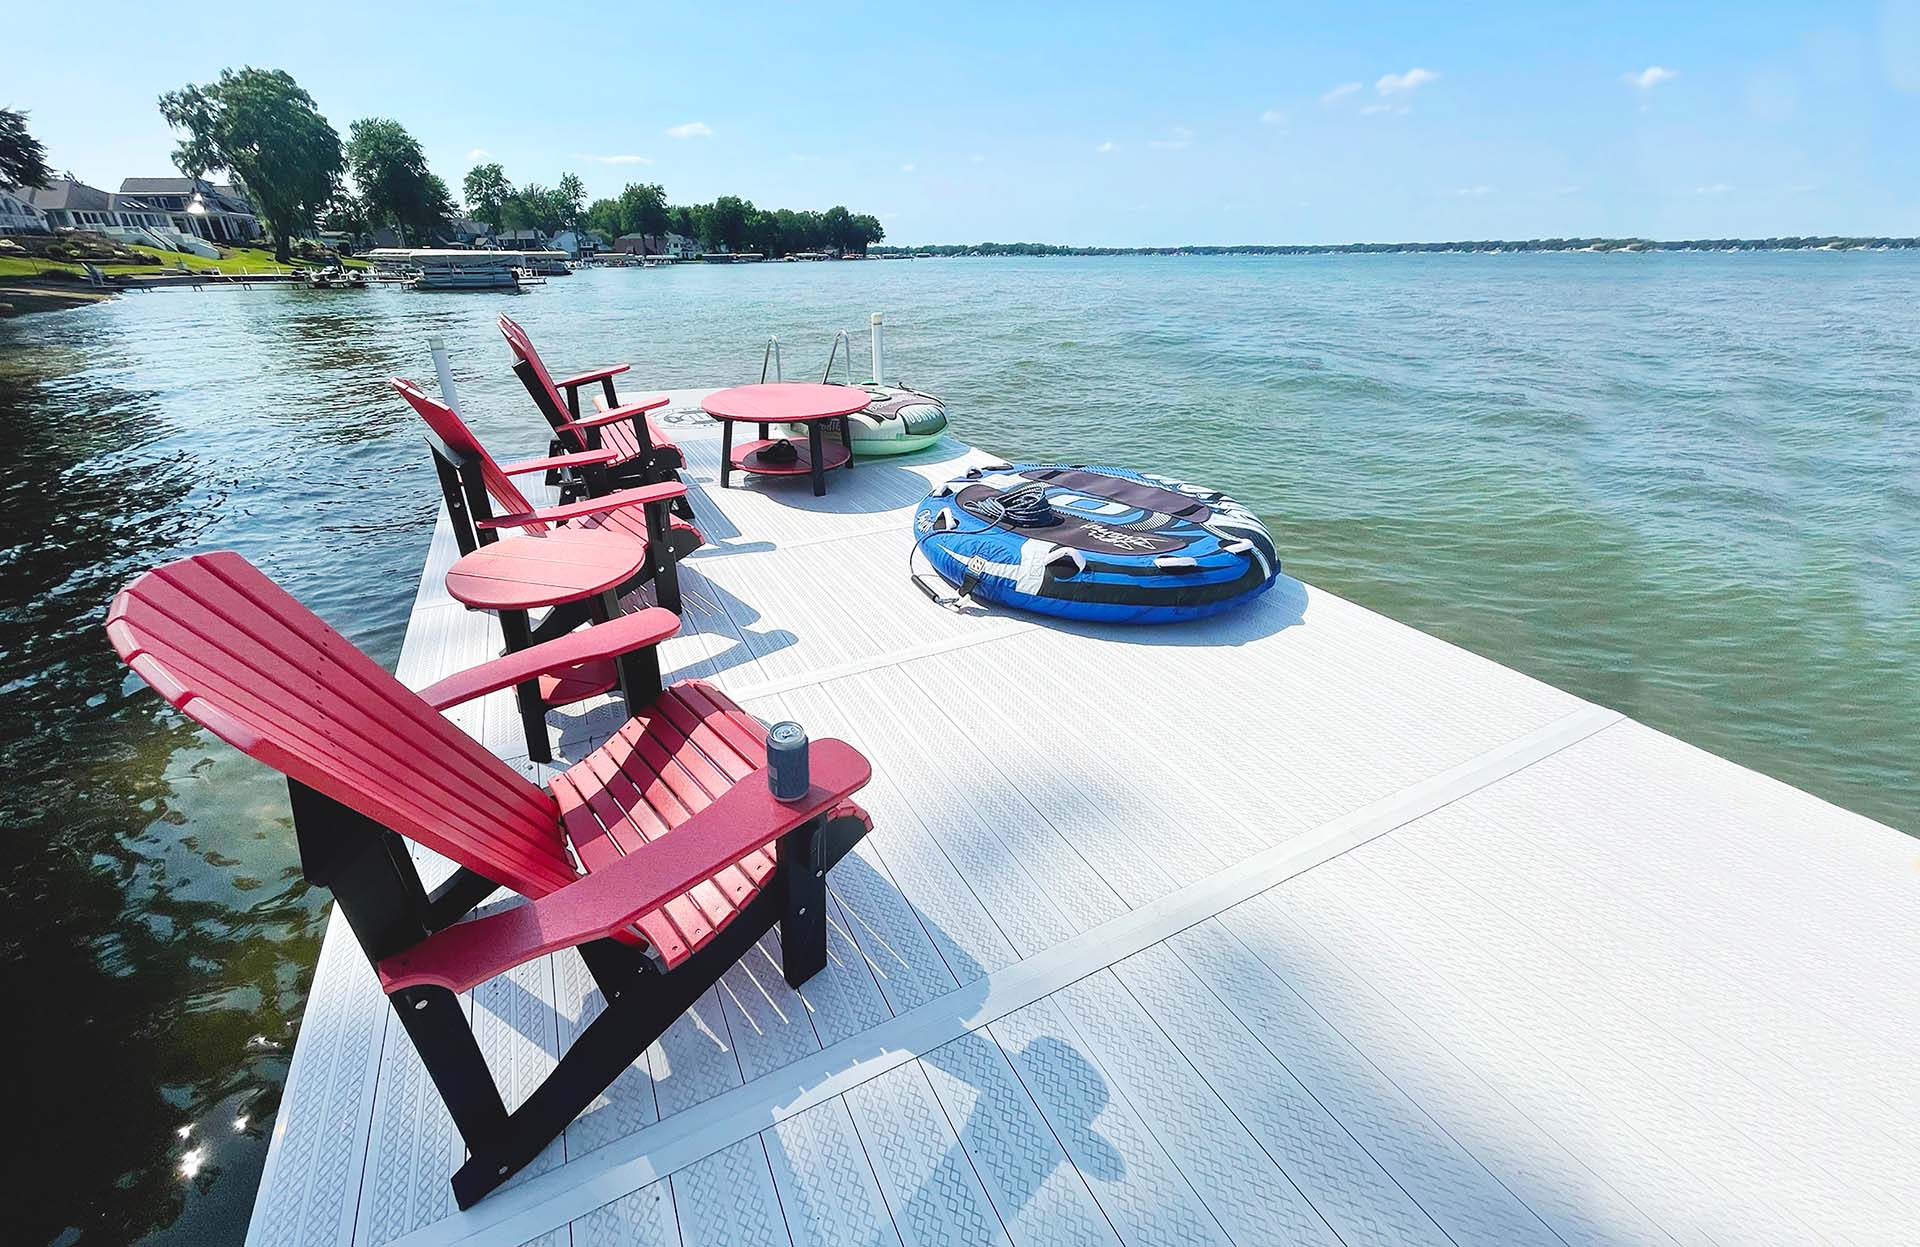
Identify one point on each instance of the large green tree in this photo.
(571, 200)
(725, 225)
(603, 217)
(23, 161)
(643, 208)
(535, 207)
(395, 184)
(487, 191)
(258, 125)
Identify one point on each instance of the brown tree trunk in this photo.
(282, 249)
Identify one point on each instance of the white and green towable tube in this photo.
(898, 419)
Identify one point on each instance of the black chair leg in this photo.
(803, 920)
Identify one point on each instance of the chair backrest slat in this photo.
(238, 654)
(457, 437)
(555, 409)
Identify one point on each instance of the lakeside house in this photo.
(217, 213)
(523, 240)
(18, 215)
(467, 232)
(578, 244)
(674, 246)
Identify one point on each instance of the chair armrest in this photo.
(605, 640)
(588, 378)
(740, 820)
(665, 491)
(604, 414)
(583, 459)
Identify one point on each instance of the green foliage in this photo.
(571, 199)
(643, 209)
(603, 217)
(261, 127)
(396, 187)
(724, 226)
(23, 160)
(487, 191)
(536, 207)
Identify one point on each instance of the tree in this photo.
(683, 220)
(603, 217)
(487, 192)
(837, 224)
(643, 208)
(725, 226)
(866, 230)
(395, 184)
(261, 127)
(571, 199)
(535, 207)
(23, 160)
(346, 214)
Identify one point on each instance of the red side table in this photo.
(517, 574)
(786, 402)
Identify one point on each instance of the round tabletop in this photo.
(565, 565)
(785, 402)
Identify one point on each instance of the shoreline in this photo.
(24, 296)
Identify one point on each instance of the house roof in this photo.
(68, 194)
(227, 196)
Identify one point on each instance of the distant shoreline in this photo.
(1602, 246)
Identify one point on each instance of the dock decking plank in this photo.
(930, 1186)
(1336, 1173)
(1142, 1191)
(1436, 1172)
(828, 1192)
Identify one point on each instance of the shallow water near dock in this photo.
(1683, 486)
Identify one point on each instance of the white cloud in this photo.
(1339, 93)
(1178, 137)
(1108, 146)
(1712, 188)
(691, 130)
(478, 153)
(1650, 77)
(1397, 84)
(1273, 117)
(1475, 191)
(620, 160)
(906, 168)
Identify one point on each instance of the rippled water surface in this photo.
(1684, 486)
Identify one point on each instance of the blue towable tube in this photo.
(1094, 543)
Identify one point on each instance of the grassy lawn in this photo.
(238, 260)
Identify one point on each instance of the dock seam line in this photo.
(546, 1203)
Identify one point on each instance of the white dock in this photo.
(1296, 925)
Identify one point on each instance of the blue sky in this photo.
(1112, 124)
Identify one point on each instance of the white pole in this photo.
(444, 370)
(778, 375)
(879, 351)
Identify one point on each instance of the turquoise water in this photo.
(1684, 486)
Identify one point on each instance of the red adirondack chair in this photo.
(471, 482)
(642, 453)
(685, 859)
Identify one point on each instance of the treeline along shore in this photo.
(1489, 246)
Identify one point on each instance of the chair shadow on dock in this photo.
(991, 1086)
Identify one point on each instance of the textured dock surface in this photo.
(1296, 925)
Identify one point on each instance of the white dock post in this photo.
(879, 350)
(444, 371)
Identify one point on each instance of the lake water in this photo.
(1683, 486)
